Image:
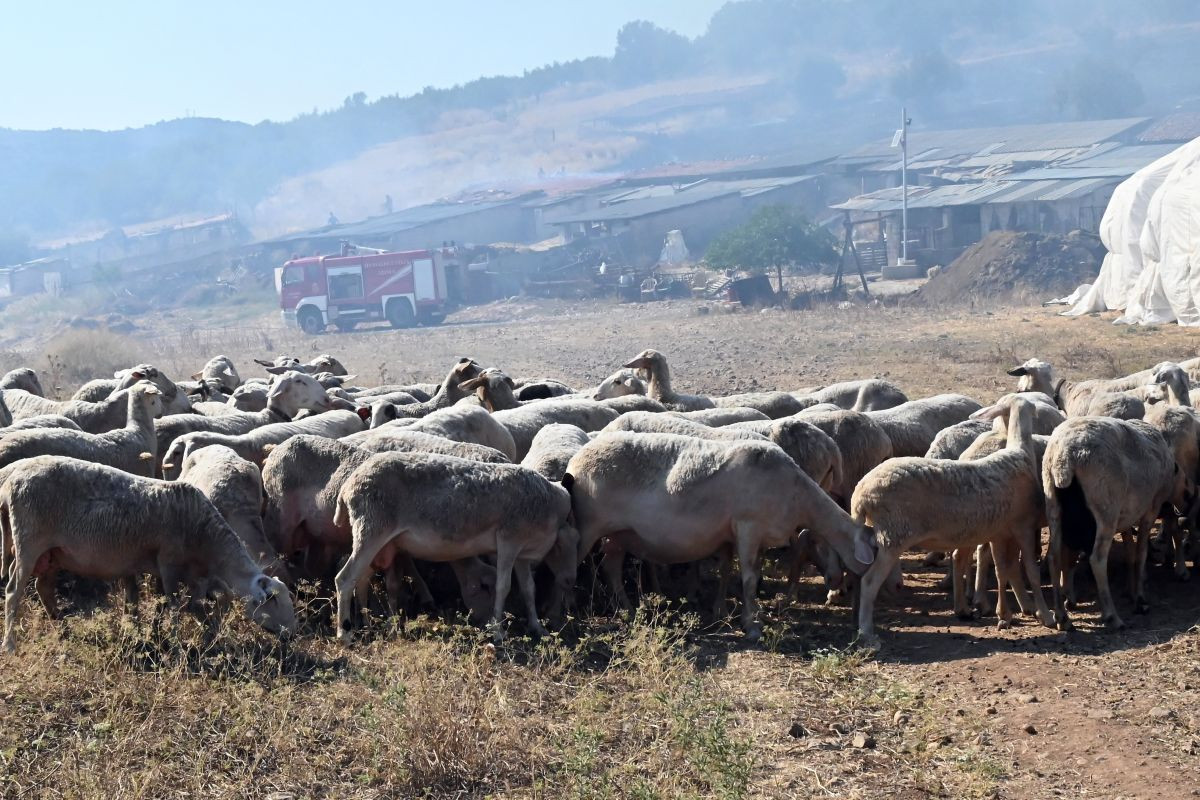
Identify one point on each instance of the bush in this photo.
(75, 357)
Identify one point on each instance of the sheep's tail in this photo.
(568, 480)
(1078, 523)
(341, 514)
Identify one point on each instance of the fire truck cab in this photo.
(363, 284)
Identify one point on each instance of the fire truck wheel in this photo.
(310, 321)
(400, 314)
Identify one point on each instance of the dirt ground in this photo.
(947, 708)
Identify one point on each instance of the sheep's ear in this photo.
(990, 412)
(345, 378)
(1017, 372)
(511, 383)
(138, 375)
(264, 363)
(364, 413)
(277, 370)
(197, 376)
(473, 384)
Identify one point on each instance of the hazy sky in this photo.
(85, 64)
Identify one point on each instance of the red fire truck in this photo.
(363, 284)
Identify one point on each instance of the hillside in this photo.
(768, 76)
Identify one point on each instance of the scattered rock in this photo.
(863, 741)
(900, 719)
(1161, 713)
(1026, 698)
(797, 731)
(1030, 729)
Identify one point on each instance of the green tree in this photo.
(646, 52)
(774, 237)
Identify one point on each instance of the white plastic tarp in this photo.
(1152, 231)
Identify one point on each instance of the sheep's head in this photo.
(622, 382)
(647, 359)
(494, 388)
(149, 397)
(269, 604)
(1172, 382)
(382, 413)
(295, 391)
(326, 363)
(1035, 375)
(477, 583)
(280, 365)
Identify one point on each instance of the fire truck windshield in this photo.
(294, 274)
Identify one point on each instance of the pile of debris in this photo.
(1015, 267)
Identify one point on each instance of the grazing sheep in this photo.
(674, 499)
(553, 447)
(43, 421)
(291, 393)
(392, 440)
(1180, 426)
(720, 417)
(95, 390)
(22, 378)
(648, 422)
(233, 485)
(449, 394)
(106, 415)
(1100, 476)
(870, 394)
(935, 504)
(131, 448)
(248, 397)
(460, 423)
(301, 481)
(813, 450)
(399, 503)
(541, 389)
(655, 365)
(254, 445)
(773, 404)
(524, 422)
(912, 427)
(952, 441)
(99, 522)
(633, 402)
(861, 441)
(420, 391)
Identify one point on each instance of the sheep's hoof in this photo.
(1141, 606)
(1113, 623)
(1072, 604)
(1046, 619)
(966, 615)
(933, 559)
(1003, 624)
(539, 630)
(984, 611)
(868, 642)
(946, 583)
(1063, 623)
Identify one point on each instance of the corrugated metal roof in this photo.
(969, 194)
(397, 222)
(1008, 138)
(1180, 127)
(1124, 160)
(624, 206)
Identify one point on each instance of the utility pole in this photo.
(904, 184)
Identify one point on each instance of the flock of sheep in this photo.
(220, 487)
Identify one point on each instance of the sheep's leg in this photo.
(45, 585)
(1099, 562)
(724, 568)
(393, 584)
(612, 564)
(960, 559)
(362, 595)
(748, 546)
(1140, 604)
(984, 564)
(1070, 564)
(1055, 556)
(796, 564)
(347, 579)
(129, 587)
(410, 570)
(529, 595)
(1175, 532)
(18, 574)
(1029, 551)
(506, 557)
(868, 591)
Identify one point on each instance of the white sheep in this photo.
(106, 415)
(523, 423)
(1102, 475)
(658, 386)
(912, 426)
(861, 441)
(460, 423)
(449, 393)
(870, 394)
(933, 504)
(402, 503)
(254, 445)
(234, 486)
(99, 522)
(22, 378)
(720, 417)
(675, 499)
(552, 449)
(131, 448)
